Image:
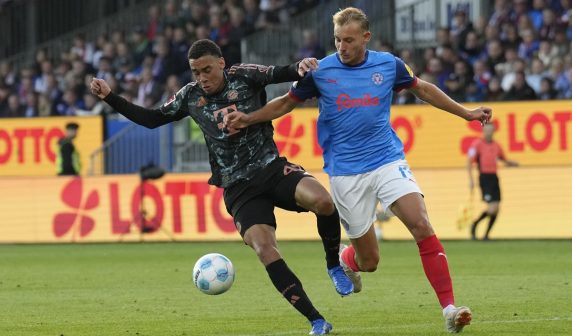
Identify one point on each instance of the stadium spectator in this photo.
(528, 46)
(44, 105)
(140, 45)
(13, 108)
(536, 13)
(458, 81)
(494, 91)
(547, 52)
(68, 160)
(7, 74)
(260, 180)
(472, 49)
(460, 27)
(520, 90)
(238, 29)
(547, 91)
(536, 74)
(549, 26)
(485, 152)
(310, 46)
(368, 163)
(31, 105)
(149, 90)
(501, 13)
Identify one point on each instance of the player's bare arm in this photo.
(510, 163)
(276, 108)
(470, 171)
(431, 94)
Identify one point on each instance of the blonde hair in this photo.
(351, 14)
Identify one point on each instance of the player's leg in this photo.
(400, 193)
(410, 209)
(295, 190)
(493, 199)
(356, 203)
(262, 239)
(493, 210)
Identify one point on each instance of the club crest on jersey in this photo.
(170, 100)
(201, 102)
(377, 78)
(232, 95)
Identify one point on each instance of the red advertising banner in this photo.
(536, 204)
(28, 146)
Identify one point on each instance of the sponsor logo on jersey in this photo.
(377, 78)
(332, 81)
(201, 102)
(344, 101)
(232, 94)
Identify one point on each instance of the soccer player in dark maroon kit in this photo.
(246, 163)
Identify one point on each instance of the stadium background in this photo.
(474, 50)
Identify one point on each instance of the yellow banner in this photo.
(28, 146)
(536, 204)
(534, 133)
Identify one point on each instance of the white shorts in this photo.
(356, 196)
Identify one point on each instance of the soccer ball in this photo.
(213, 274)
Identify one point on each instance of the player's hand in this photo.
(99, 87)
(482, 114)
(236, 120)
(306, 65)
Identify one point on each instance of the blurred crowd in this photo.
(145, 65)
(522, 51)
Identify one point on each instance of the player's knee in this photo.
(324, 205)
(368, 262)
(421, 228)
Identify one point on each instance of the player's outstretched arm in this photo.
(150, 118)
(434, 96)
(294, 71)
(275, 108)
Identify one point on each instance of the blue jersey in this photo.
(354, 129)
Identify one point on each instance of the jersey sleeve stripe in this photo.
(409, 85)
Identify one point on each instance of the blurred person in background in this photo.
(13, 108)
(485, 152)
(310, 46)
(520, 90)
(67, 161)
(547, 91)
(494, 90)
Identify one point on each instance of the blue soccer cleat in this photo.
(342, 282)
(320, 327)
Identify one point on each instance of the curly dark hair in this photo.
(204, 47)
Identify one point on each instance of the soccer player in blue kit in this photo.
(363, 156)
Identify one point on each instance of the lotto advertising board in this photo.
(183, 207)
(28, 146)
(534, 133)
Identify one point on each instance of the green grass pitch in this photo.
(513, 288)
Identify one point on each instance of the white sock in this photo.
(447, 309)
